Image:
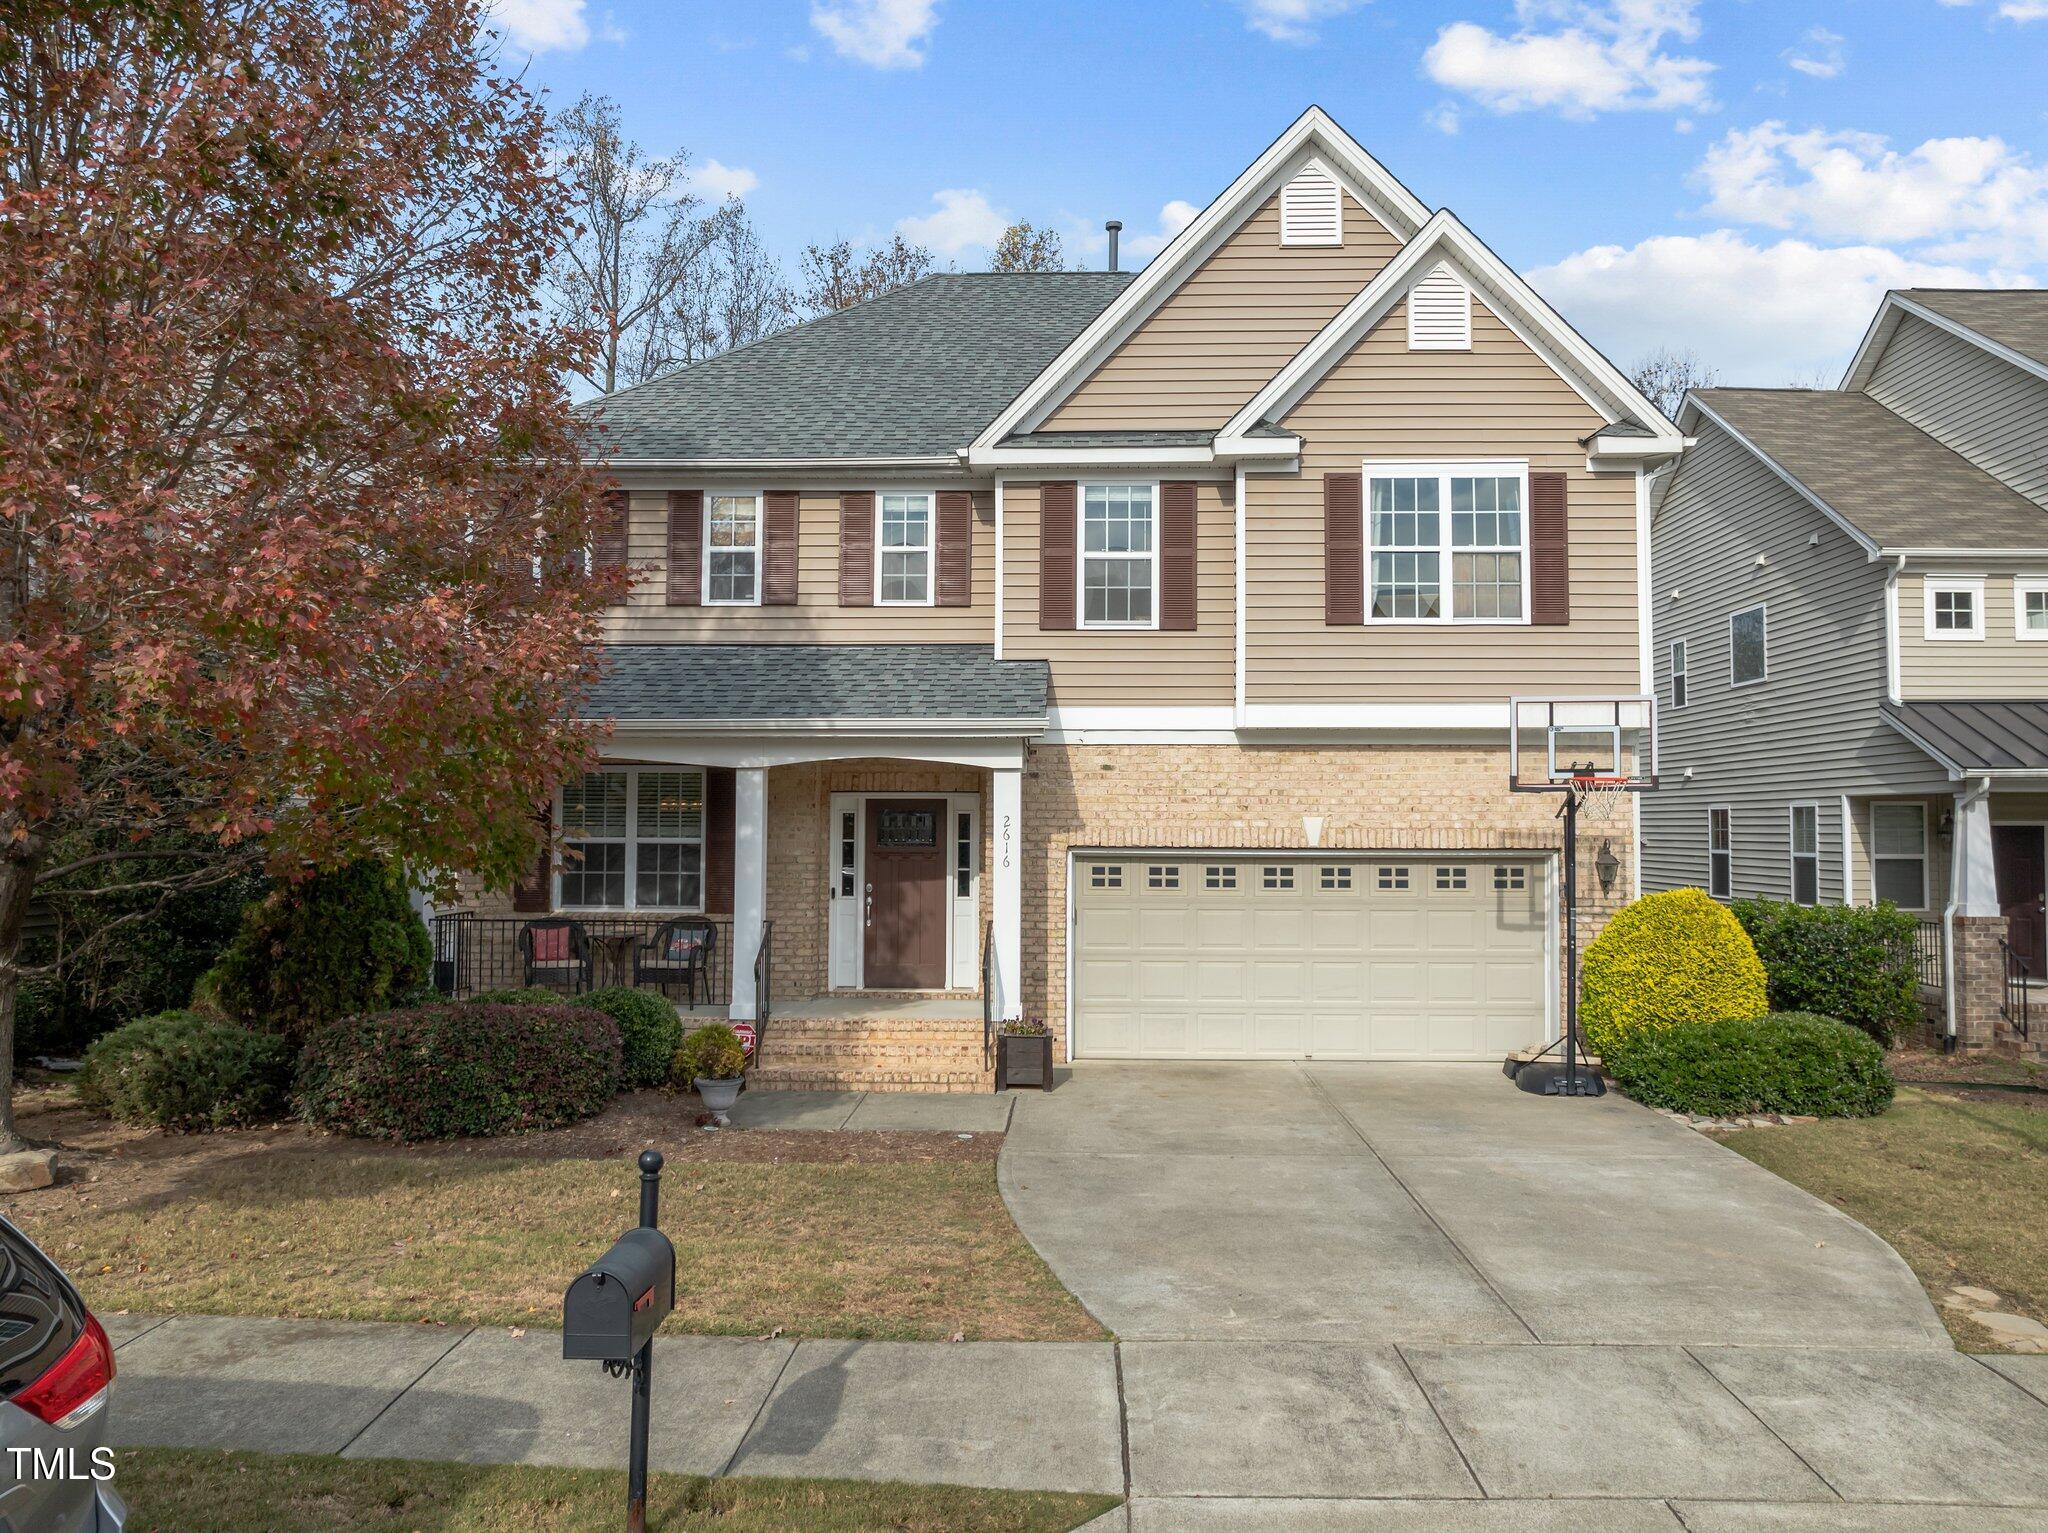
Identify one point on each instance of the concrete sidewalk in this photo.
(1203, 1436)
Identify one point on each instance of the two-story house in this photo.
(1851, 618)
(1131, 651)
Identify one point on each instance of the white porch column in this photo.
(749, 885)
(1006, 823)
(1975, 892)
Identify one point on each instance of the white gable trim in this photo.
(1313, 135)
(1886, 325)
(1443, 239)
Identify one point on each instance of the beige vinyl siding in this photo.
(1229, 327)
(2001, 664)
(1729, 535)
(1499, 400)
(1133, 668)
(1991, 412)
(1938, 850)
(817, 617)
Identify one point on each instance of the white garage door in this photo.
(1190, 956)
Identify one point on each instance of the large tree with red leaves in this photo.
(291, 507)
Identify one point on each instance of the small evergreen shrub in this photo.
(1851, 962)
(455, 1070)
(1787, 1062)
(649, 1028)
(530, 995)
(1668, 958)
(713, 1053)
(329, 946)
(180, 1070)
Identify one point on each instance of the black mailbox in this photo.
(614, 1309)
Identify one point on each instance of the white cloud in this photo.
(1818, 55)
(1578, 58)
(1445, 118)
(1759, 313)
(718, 181)
(1293, 21)
(1173, 218)
(1087, 244)
(536, 26)
(964, 219)
(2013, 10)
(889, 34)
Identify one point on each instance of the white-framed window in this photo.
(1219, 876)
(732, 549)
(1720, 851)
(1898, 854)
(1955, 607)
(2030, 607)
(903, 556)
(1805, 854)
(1448, 542)
(1678, 673)
(632, 839)
(1119, 585)
(1748, 646)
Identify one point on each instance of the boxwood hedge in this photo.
(180, 1070)
(1673, 957)
(1788, 1062)
(1851, 962)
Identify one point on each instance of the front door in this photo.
(2016, 857)
(904, 941)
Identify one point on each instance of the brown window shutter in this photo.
(778, 551)
(535, 893)
(718, 849)
(608, 545)
(685, 548)
(1177, 557)
(857, 548)
(1056, 519)
(1550, 564)
(956, 548)
(1343, 550)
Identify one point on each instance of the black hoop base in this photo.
(1551, 1079)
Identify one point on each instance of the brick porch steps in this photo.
(871, 1054)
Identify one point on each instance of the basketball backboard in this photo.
(1556, 742)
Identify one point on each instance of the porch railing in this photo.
(764, 986)
(2016, 1006)
(475, 953)
(1927, 953)
(988, 997)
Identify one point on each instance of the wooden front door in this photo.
(904, 941)
(2016, 857)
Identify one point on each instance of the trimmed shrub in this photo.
(713, 1052)
(1787, 1062)
(180, 1070)
(442, 1072)
(1851, 962)
(1673, 957)
(531, 995)
(649, 1029)
(326, 947)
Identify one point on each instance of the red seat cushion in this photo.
(551, 944)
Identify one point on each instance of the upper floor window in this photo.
(1678, 673)
(1955, 608)
(732, 542)
(2030, 608)
(1747, 659)
(633, 839)
(1466, 522)
(1119, 556)
(903, 572)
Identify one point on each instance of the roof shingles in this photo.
(782, 683)
(2016, 318)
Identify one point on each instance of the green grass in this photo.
(182, 1491)
(895, 1250)
(1959, 1188)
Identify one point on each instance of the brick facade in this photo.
(1978, 975)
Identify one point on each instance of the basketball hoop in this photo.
(1602, 800)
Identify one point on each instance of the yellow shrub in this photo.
(1674, 957)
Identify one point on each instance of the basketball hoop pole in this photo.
(1571, 944)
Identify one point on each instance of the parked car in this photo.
(56, 1374)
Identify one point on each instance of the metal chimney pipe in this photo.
(1115, 227)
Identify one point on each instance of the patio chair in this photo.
(679, 953)
(556, 953)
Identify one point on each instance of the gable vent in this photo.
(1440, 313)
(1312, 208)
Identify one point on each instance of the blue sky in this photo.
(1742, 178)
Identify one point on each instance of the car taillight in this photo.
(77, 1383)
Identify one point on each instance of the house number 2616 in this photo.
(1008, 837)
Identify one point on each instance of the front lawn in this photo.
(1957, 1184)
(181, 1491)
(901, 1237)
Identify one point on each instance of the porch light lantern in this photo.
(1607, 865)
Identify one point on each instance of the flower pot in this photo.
(1024, 1059)
(718, 1096)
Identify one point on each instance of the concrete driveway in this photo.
(1428, 1204)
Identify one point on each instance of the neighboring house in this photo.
(1851, 618)
(1127, 651)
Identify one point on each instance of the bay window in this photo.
(1448, 543)
(633, 839)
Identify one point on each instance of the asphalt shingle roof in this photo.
(917, 372)
(1885, 476)
(770, 683)
(1109, 439)
(2016, 318)
(1979, 736)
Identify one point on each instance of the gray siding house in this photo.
(1850, 631)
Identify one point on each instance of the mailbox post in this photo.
(610, 1315)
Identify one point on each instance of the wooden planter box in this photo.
(1023, 1059)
